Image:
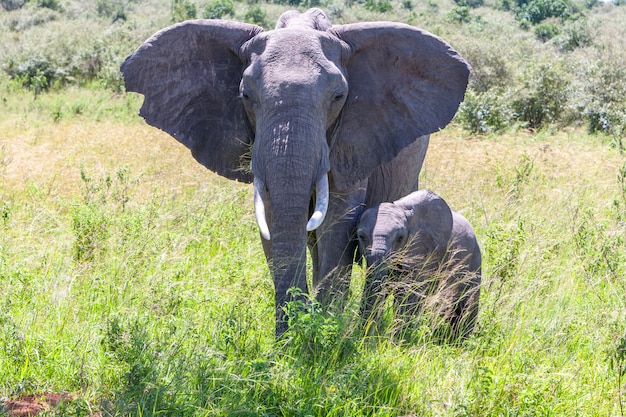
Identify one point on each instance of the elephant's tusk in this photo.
(321, 204)
(259, 208)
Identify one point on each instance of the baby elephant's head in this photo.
(382, 232)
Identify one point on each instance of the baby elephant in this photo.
(424, 254)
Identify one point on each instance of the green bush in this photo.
(459, 14)
(379, 6)
(256, 15)
(183, 10)
(37, 74)
(215, 9)
(546, 31)
(536, 11)
(484, 112)
(49, 4)
(575, 34)
(470, 3)
(542, 97)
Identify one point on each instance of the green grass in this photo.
(133, 279)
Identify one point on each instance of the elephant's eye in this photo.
(245, 95)
(338, 96)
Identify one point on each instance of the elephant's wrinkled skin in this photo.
(317, 107)
(415, 247)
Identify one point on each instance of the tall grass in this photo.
(133, 279)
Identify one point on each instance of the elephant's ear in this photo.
(429, 215)
(403, 83)
(189, 74)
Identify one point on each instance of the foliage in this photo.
(542, 98)
(49, 4)
(459, 14)
(380, 6)
(256, 15)
(168, 310)
(216, 9)
(536, 11)
(602, 98)
(470, 3)
(546, 31)
(183, 10)
(484, 112)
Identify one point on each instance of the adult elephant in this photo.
(336, 115)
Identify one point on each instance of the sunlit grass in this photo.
(134, 279)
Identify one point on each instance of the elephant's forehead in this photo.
(384, 218)
(297, 48)
(390, 214)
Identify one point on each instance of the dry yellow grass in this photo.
(51, 155)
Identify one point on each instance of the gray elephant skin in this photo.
(322, 118)
(418, 247)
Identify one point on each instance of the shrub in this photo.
(470, 3)
(536, 11)
(37, 74)
(546, 31)
(484, 113)
(215, 9)
(113, 9)
(602, 97)
(543, 96)
(49, 4)
(256, 15)
(489, 66)
(380, 6)
(459, 14)
(575, 34)
(183, 10)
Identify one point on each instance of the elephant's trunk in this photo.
(321, 206)
(290, 163)
(377, 274)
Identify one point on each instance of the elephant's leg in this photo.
(336, 245)
(399, 177)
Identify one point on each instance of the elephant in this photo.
(323, 119)
(415, 247)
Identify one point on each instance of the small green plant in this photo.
(256, 15)
(546, 31)
(379, 6)
(216, 9)
(617, 362)
(484, 113)
(460, 14)
(536, 11)
(183, 10)
(318, 336)
(543, 97)
(49, 4)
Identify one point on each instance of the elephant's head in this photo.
(410, 236)
(302, 106)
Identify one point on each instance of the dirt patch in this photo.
(31, 405)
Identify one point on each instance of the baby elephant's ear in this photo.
(189, 74)
(403, 83)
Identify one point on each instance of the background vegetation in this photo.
(132, 279)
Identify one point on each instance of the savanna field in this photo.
(133, 282)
